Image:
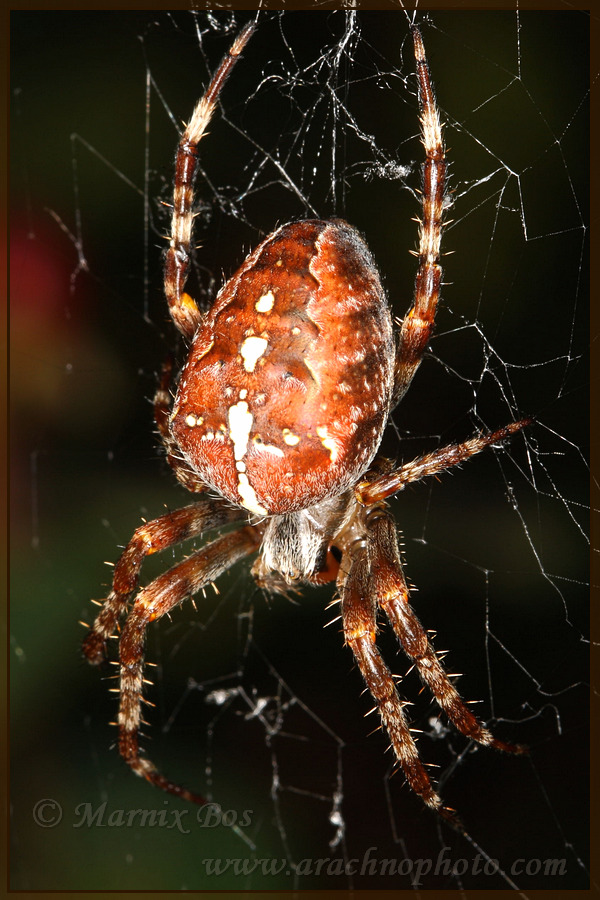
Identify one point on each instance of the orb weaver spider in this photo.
(279, 411)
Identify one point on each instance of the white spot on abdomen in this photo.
(290, 438)
(240, 424)
(328, 442)
(248, 495)
(252, 349)
(265, 303)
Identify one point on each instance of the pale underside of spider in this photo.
(279, 411)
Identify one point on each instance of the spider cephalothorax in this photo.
(280, 409)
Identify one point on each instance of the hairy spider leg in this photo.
(392, 597)
(418, 323)
(182, 307)
(151, 537)
(383, 486)
(160, 597)
(371, 577)
(357, 592)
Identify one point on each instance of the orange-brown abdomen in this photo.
(286, 391)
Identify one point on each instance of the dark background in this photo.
(497, 550)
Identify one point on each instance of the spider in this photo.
(277, 419)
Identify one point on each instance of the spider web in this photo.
(257, 704)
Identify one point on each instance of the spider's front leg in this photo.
(392, 596)
(158, 598)
(370, 577)
(151, 537)
(356, 586)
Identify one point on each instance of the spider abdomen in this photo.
(286, 391)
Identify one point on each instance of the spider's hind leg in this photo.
(418, 323)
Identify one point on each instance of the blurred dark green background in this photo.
(501, 542)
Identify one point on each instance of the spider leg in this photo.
(358, 615)
(383, 486)
(418, 323)
(162, 405)
(159, 597)
(184, 312)
(392, 596)
(151, 537)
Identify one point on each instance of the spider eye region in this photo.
(286, 391)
